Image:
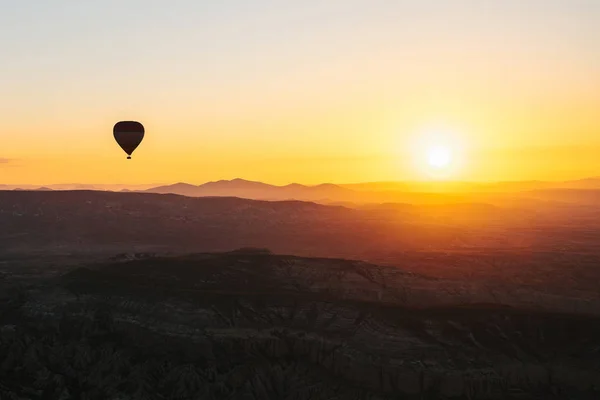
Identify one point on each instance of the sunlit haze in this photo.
(309, 92)
(440, 157)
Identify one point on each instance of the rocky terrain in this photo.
(251, 324)
(76, 221)
(132, 296)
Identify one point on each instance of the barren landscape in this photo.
(165, 296)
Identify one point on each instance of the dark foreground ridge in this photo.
(250, 324)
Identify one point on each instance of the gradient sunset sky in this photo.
(305, 91)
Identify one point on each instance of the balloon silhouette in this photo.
(129, 135)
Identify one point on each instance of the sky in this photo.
(308, 91)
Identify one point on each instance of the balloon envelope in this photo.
(129, 135)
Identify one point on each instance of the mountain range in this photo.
(259, 190)
(496, 193)
(77, 186)
(500, 193)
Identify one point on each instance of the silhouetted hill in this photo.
(260, 272)
(79, 186)
(184, 189)
(237, 184)
(249, 324)
(84, 220)
(497, 193)
(527, 194)
(88, 221)
(484, 243)
(95, 218)
(438, 301)
(256, 190)
(323, 193)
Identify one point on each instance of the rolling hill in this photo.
(479, 241)
(139, 295)
(250, 324)
(533, 195)
(77, 221)
(80, 220)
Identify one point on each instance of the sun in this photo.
(436, 151)
(439, 156)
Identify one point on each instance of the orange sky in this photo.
(310, 92)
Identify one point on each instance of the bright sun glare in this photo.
(439, 156)
(437, 152)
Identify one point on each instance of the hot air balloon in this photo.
(129, 135)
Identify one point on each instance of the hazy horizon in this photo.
(349, 183)
(585, 167)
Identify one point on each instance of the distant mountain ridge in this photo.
(256, 190)
(77, 186)
(375, 192)
(358, 193)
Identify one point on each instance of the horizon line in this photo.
(431, 181)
